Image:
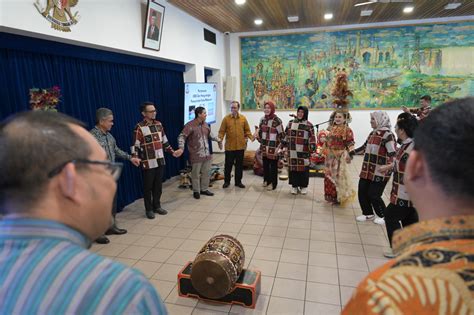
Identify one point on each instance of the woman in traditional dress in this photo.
(379, 150)
(300, 141)
(270, 133)
(339, 150)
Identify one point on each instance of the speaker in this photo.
(230, 88)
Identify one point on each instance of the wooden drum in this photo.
(217, 266)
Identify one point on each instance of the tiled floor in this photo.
(311, 254)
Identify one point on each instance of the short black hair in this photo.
(426, 98)
(198, 111)
(408, 123)
(446, 140)
(144, 105)
(33, 144)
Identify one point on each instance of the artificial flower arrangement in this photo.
(45, 99)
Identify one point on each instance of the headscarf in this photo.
(272, 110)
(305, 110)
(382, 120)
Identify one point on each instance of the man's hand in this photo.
(220, 145)
(135, 161)
(177, 153)
(405, 109)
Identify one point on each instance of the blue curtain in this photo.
(89, 79)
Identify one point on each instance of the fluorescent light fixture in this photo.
(328, 16)
(366, 12)
(452, 6)
(293, 19)
(258, 21)
(408, 9)
(364, 3)
(240, 2)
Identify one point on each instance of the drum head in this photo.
(210, 279)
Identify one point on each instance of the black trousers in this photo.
(299, 179)
(152, 187)
(270, 172)
(370, 197)
(394, 215)
(234, 158)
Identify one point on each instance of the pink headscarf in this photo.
(382, 120)
(272, 109)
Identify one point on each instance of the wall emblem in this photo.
(58, 12)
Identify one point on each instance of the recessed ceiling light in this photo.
(452, 6)
(408, 9)
(366, 12)
(240, 2)
(293, 19)
(258, 21)
(328, 16)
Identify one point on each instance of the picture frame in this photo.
(155, 14)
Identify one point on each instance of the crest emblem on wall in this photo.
(58, 12)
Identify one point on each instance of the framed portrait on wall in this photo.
(153, 26)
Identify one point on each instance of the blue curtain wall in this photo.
(89, 79)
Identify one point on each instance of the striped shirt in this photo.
(45, 268)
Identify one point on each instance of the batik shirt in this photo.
(197, 134)
(149, 142)
(270, 134)
(301, 142)
(421, 112)
(399, 195)
(108, 143)
(379, 150)
(433, 274)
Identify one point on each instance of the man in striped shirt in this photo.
(54, 203)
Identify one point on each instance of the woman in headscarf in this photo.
(270, 133)
(339, 150)
(300, 141)
(379, 150)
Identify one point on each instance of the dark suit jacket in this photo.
(154, 35)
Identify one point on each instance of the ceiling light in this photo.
(366, 12)
(258, 21)
(452, 6)
(364, 3)
(293, 19)
(408, 9)
(328, 16)
(240, 2)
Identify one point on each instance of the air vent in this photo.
(209, 36)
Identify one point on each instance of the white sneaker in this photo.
(389, 254)
(265, 184)
(363, 218)
(294, 190)
(380, 221)
(304, 190)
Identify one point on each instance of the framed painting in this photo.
(387, 67)
(154, 25)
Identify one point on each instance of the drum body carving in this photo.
(217, 266)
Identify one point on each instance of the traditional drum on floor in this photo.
(217, 266)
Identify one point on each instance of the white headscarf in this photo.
(382, 120)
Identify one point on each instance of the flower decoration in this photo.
(45, 99)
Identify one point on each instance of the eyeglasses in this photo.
(151, 111)
(114, 168)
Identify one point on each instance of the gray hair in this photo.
(101, 113)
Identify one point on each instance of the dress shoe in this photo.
(150, 215)
(115, 230)
(226, 185)
(102, 240)
(240, 185)
(160, 211)
(207, 193)
(196, 195)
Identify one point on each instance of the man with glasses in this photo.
(54, 204)
(149, 141)
(104, 120)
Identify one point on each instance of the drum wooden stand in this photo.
(245, 292)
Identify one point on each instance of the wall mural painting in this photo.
(387, 67)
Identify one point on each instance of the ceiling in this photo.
(226, 16)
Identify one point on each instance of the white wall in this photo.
(360, 118)
(118, 25)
